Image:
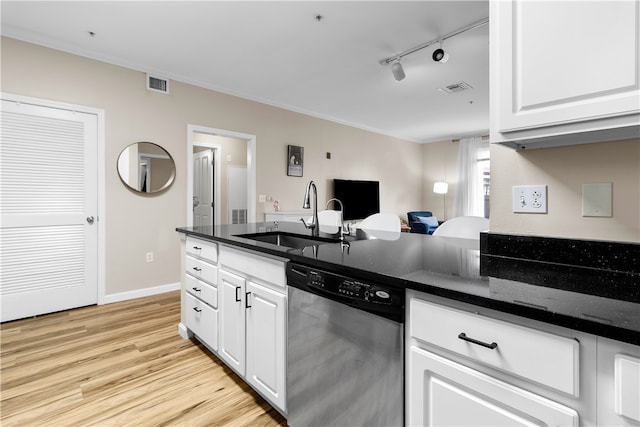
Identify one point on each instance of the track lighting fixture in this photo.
(439, 55)
(398, 72)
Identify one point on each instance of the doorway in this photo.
(201, 139)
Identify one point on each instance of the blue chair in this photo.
(423, 222)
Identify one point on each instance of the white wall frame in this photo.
(251, 169)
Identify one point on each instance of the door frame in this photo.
(251, 169)
(100, 170)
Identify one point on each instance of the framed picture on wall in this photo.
(295, 160)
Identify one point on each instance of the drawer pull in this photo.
(196, 289)
(197, 268)
(237, 297)
(197, 248)
(196, 309)
(464, 337)
(246, 300)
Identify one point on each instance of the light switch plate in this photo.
(597, 199)
(530, 199)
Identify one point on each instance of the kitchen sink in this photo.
(288, 240)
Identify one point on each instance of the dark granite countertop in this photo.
(590, 294)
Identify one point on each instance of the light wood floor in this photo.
(120, 364)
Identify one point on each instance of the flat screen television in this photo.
(359, 198)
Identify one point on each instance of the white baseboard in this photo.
(183, 331)
(139, 293)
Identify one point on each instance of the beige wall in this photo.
(564, 170)
(136, 225)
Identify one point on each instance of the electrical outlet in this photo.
(149, 256)
(530, 199)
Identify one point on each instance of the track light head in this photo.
(396, 69)
(439, 55)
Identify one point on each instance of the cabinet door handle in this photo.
(196, 289)
(197, 268)
(237, 297)
(246, 300)
(196, 309)
(464, 337)
(197, 248)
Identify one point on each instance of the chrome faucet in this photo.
(344, 228)
(314, 226)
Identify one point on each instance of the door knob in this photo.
(90, 219)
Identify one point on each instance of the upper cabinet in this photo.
(564, 72)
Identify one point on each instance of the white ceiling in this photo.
(279, 54)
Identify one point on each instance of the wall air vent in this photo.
(157, 84)
(456, 87)
(238, 216)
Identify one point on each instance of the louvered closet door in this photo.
(48, 197)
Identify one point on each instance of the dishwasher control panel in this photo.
(379, 299)
(365, 291)
(350, 288)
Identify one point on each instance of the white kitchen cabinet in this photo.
(232, 320)
(535, 355)
(266, 342)
(202, 249)
(472, 366)
(253, 313)
(235, 302)
(564, 72)
(445, 393)
(200, 292)
(202, 320)
(202, 269)
(618, 383)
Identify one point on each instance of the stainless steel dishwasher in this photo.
(344, 351)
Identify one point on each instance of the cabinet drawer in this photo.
(201, 270)
(202, 290)
(270, 271)
(203, 249)
(539, 356)
(202, 320)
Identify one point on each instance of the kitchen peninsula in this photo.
(554, 337)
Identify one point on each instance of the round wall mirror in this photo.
(146, 167)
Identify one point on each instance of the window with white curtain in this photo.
(472, 194)
(484, 168)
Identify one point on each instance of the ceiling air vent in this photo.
(456, 87)
(157, 84)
